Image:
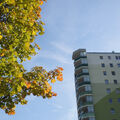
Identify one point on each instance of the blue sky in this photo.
(70, 25)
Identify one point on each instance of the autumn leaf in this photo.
(28, 84)
(2, 54)
(1, 37)
(53, 81)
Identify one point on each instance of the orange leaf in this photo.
(53, 81)
(54, 94)
(28, 84)
(61, 68)
(2, 54)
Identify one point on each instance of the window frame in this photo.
(109, 57)
(108, 90)
(110, 101)
(104, 73)
(113, 73)
(111, 65)
(115, 82)
(112, 110)
(106, 81)
(102, 64)
(101, 57)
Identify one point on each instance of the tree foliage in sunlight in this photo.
(20, 23)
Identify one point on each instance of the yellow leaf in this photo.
(29, 58)
(53, 81)
(33, 32)
(20, 74)
(41, 2)
(2, 54)
(1, 36)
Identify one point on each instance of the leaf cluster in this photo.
(20, 23)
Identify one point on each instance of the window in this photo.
(89, 98)
(111, 65)
(85, 70)
(102, 65)
(84, 61)
(82, 53)
(108, 90)
(101, 57)
(115, 81)
(109, 57)
(104, 73)
(118, 90)
(88, 88)
(116, 57)
(119, 100)
(91, 118)
(118, 64)
(86, 79)
(112, 110)
(113, 72)
(106, 81)
(90, 109)
(110, 100)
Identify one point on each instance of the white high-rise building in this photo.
(97, 82)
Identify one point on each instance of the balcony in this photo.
(85, 100)
(82, 81)
(78, 58)
(85, 104)
(87, 116)
(82, 64)
(82, 90)
(82, 74)
(84, 93)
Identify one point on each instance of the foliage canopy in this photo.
(20, 23)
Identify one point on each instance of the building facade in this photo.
(97, 83)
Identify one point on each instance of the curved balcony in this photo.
(82, 73)
(87, 116)
(82, 83)
(85, 104)
(82, 78)
(84, 93)
(81, 56)
(85, 100)
(81, 65)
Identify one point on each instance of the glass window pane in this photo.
(104, 73)
(112, 110)
(101, 57)
(109, 57)
(115, 81)
(111, 65)
(110, 100)
(108, 90)
(102, 65)
(113, 72)
(106, 81)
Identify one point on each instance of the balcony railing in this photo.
(82, 64)
(86, 115)
(82, 83)
(84, 56)
(82, 73)
(85, 104)
(84, 93)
